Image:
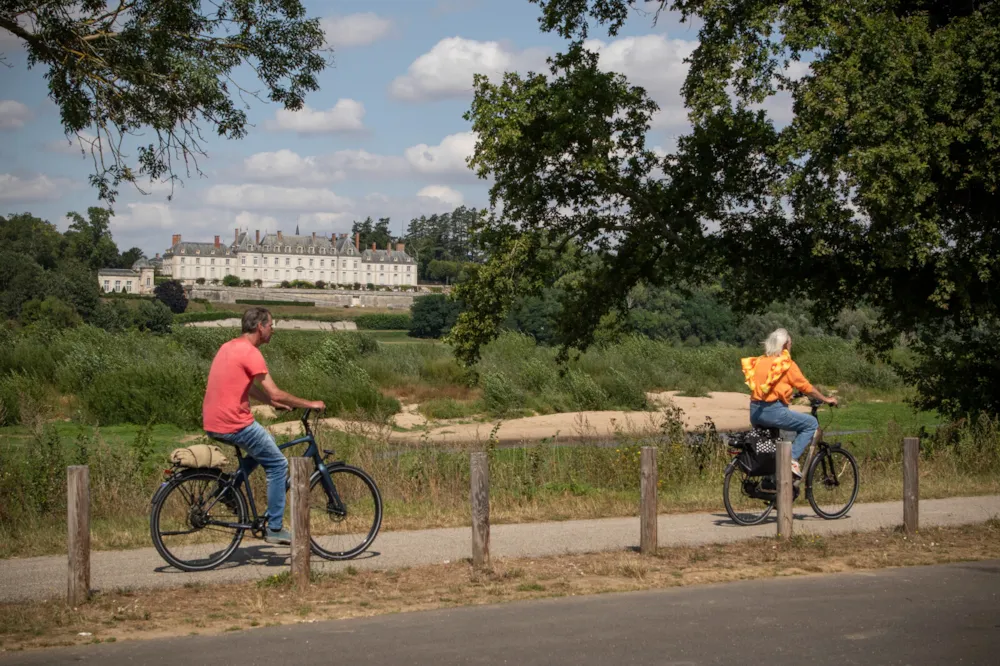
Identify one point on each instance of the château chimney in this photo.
(236, 235)
(217, 242)
(400, 246)
(357, 242)
(258, 237)
(157, 255)
(373, 247)
(280, 238)
(314, 237)
(176, 238)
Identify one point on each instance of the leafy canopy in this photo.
(171, 67)
(883, 189)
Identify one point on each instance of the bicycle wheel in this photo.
(194, 517)
(832, 483)
(738, 493)
(342, 529)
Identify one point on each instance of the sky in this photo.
(384, 136)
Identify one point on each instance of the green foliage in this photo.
(445, 241)
(166, 65)
(251, 301)
(154, 316)
(433, 316)
(113, 315)
(875, 194)
(171, 294)
(372, 232)
(188, 317)
(230, 281)
(52, 312)
(383, 322)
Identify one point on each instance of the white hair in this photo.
(776, 342)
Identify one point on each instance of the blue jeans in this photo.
(261, 448)
(777, 415)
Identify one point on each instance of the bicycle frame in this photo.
(247, 465)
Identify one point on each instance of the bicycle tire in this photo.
(328, 515)
(741, 519)
(830, 454)
(210, 477)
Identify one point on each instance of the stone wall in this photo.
(321, 297)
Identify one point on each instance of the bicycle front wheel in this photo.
(743, 495)
(832, 483)
(343, 525)
(195, 519)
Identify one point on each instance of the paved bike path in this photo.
(45, 577)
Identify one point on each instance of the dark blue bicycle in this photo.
(199, 516)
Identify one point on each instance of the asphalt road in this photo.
(920, 615)
(45, 577)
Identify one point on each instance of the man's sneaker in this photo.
(281, 537)
(796, 472)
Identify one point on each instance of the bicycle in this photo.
(833, 470)
(193, 505)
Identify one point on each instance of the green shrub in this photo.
(383, 322)
(251, 301)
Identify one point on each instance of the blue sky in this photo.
(384, 136)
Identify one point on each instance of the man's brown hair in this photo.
(253, 317)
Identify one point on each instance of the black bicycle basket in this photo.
(758, 452)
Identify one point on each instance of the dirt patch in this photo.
(728, 410)
(195, 609)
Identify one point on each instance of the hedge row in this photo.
(383, 322)
(188, 317)
(250, 301)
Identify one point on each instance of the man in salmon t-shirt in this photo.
(239, 373)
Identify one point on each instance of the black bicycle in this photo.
(199, 516)
(749, 489)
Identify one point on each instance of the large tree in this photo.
(162, 71)
(882, 189)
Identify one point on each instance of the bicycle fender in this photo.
(165, 486)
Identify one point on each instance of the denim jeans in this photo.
(260, 447)
(777, 415)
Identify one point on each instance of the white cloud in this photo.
(361, 161)
(347, 115)
(13, 114)
(443, 194)
(74, 144)
(324, 222)
(284, 165)
(355, 29)
(39, 188)
(247, 220)
(446, 70)
(273, 198)
(654, 62)
(148, 217)
(449, 156)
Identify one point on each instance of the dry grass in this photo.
(132, 614)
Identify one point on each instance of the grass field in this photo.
(427, 486)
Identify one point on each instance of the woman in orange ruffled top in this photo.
(771, 379)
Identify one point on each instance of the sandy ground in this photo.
(728, 410)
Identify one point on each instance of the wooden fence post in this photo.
(911, 484)
(78, 533)
(479, 493)
(300, 522)
(784, 473)
(647, 501)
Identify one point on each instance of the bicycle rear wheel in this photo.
(194, 517)
(739, 492)
(343, 527)
(832, 483)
